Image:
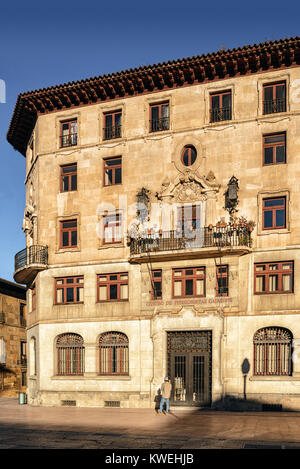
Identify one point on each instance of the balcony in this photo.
(212, 241)
(220, 114)
(274, 106)
(157, 125)
(29, 262)
(111, 132)
(69, 140)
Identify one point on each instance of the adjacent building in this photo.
(13, 342)
(162, 232)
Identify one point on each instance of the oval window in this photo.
(189, 155)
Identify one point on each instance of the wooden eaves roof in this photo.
(271, 55)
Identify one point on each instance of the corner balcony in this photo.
(211, 241)
(29, 262)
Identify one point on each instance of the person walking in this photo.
(166, 389)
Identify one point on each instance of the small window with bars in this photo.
(189, 282)
(274, 97)
(112, 125)
(273, 351)
(156, 284)
(69, 132)
(220, 106)
(69, 290)
(222, 280)
(159, 117)
(70, 354)
(112, 287)
(113, 354)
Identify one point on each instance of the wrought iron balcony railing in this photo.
(111, 132)
(206, 237)
(275, 105)
(220, 114)
(68, 140)
(157, 125)
(31, 255)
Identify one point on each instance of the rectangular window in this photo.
(112, 171)
(112, 125)
(274, 97)
(22, 314)
(68, 133)
(69, 290)
(274, 213)
(220, 106)
(188, 218)
(159, 117)
(189, 282)
(275, 277)
(112, 287)
(274, 149)
(68, 177)
(156, 284)
(33, 298)
(112, 228)
(222, 280)
(68, 234)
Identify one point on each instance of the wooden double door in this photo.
(189, 367)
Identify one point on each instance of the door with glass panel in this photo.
(189, 355)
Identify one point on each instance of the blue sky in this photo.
(48, 43)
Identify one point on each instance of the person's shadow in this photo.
(157, 400)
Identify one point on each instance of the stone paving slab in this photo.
(28, 427)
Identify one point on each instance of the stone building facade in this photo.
(13, 342)
(162, 232)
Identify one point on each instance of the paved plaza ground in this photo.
(25, 426)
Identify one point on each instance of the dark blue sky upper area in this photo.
(48, 43)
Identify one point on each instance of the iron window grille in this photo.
(274, 98)
(159, 117)
(222, 280)
(69, 133)
(69, 290)
(113, 354)
(112, 287)
(274, 213)
(112, 125)
(274, 277)
(220, 106)
(68, 178)
(156, 284)
(272, 351)
(70, 354)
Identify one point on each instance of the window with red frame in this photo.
(159, 117)
(274, 277)
(112, 227)
(69, 290)
(188, 218)
(274, 97)
(68, 234)
(68, 177)
(189, 282)
(112, 171)
(188, 155)
(222, 280)
(274, 149)
(274, 213)
(113, 354)
(70, 352)
(112, 287)
(112, 125)
(220, 106)
(68, 133)
(156, 284)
